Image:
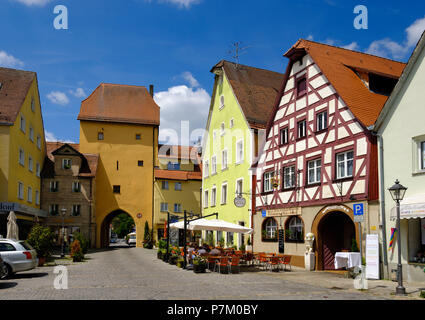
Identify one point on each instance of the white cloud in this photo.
(180, 3)
(352, 46)
(33, 2)
(190, 79)
(58, 97)
(9, 61)
(51, 137)
(78, 93)
(415, 31)
(181, 103)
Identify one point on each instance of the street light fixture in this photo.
(397, 192)
(63, 211)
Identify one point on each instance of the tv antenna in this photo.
(237, 51)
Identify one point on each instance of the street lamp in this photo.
(397, 193)
(63, 211)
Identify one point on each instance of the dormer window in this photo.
(66, 164)
(221, 102)
(301, 87)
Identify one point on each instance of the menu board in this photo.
(372, 256)
(281, 241)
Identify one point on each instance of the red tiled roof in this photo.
(256, 90)
(13, 91)
(120, 103)
(179, 152)
(337, 65)
(177, 175)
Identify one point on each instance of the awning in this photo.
(412, 207)
(213, 224)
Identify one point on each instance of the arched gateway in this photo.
(334, 228)
(105, 227)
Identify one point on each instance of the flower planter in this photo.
(199, 268)
(172, 260)
(41, 261)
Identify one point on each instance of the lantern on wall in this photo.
(275, 182)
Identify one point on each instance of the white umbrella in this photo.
(12, 227)
(213, 224)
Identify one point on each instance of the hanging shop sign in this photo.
(239, 202)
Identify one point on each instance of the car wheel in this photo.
(7, 272)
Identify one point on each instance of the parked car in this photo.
(3, 269)
(132, 239)
(17, 256)
(113, 240)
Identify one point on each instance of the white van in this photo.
(131, 239)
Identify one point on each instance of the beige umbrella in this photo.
(12, 227)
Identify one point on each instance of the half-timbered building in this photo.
(319, 161)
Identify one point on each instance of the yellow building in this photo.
(120, 123)
(178, 181)
(22, 148)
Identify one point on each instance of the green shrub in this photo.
(242, 247)
(41, 239)
(84, 242)
(77, 254)
(162, 244)
(422, 294)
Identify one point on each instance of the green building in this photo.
(241, 104)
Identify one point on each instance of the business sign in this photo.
(372, 256)
(338, 207)
(139, 215)
(239, 202)
(282, 212)
(8, 206)
(281, 241)
(264, 213)
(358, 209)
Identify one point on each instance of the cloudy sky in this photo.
(174, 43)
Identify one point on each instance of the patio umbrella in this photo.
(12, 227)
(212, 224)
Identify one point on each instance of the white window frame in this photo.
(222, 129)
(66, 162)
(21, 156)
(213, 164)
(76, 208)
(100, 136)
(177, 188)
(268, 181)
(224, 163)
(271, 227)
(21, 190)
(30, 163)
(23, 124)
(76, 184)
(37, 170)
(206, 195)
(37, 197)
(289, 174)
(222, 102)
(39, 142)
(206, 169)
(345, 161)
(232, 123)
(302, 128)
(31, 133)
(286, 130)
(179, 208)
(322, 121)
(53, 186)
(422, 155)
(239, 155)
(236, 186)
(164, 206)
(315, 169)
(213, 196)
(224, 194)
(164, 185)
(54, 208)
(29, 194)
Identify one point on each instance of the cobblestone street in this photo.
(134, 273)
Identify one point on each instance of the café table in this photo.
(347, 260)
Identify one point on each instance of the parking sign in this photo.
(358, 209)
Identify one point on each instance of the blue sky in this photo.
(174, 43)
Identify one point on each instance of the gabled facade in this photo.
(68, 189)
(401, 136)
(22, 149)
(242, 101)
(319, 159)
(178, 180)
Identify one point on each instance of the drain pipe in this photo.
(382, 202)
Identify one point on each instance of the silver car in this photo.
(17, 256)
(3, 269)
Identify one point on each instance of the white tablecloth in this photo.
(347, 260)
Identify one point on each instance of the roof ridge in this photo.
(244, 65)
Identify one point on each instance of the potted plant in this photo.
(84, 243)
(174, 256)
(199, 264)
(179, 262)
(77, 254)
(41, 239)
(242, 247)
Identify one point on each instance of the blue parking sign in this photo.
(358, 209)
(263, 213)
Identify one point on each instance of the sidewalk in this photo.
(339, 281)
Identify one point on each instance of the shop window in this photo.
(269, 230)
(294, 230)
(416, 234)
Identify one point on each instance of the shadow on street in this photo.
(28, 275)
(7, 285)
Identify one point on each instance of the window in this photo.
(224, 160)
(100, 136)
(232, 123)
(206, 169)
(422, 156)
(20, 190)
(164, 185)
(54, 186)
(314, 171)
(344, 165)
(239, 151)
(221, 102)
(38, 142)
(222, 129)
(213, 197)
(138, 136)
(76, 186)
(224, 194)
(21, 156)
(284, 136)
(29, 194)
(30, 163)
(4, 246)
(32, 134)
(239, 187)
(322, 121)
(23, 126)
(164, 207)
(178, 186)
(301, 87)
(214, 165)
(37, 197)
(229, 240)
(206, 199)
(66, 164)
(116, 189)
(54, 209)
(302, 129)
(140, 163)
(268, 181)
(416, 240)
(289, 177)
(33, 105)
(37, 169)
(177, 207)
(294, 230)
(269, 231)
(76, 210)
(173, 166)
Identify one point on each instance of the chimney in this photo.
(151, 90)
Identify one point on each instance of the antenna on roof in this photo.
(237, 51)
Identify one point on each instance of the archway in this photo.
(105, 230)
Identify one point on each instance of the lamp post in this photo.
(63, 211)
(397, 193)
